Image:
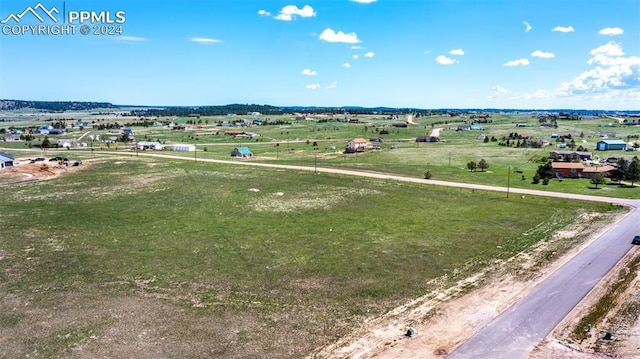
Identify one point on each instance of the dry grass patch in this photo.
(322, 199)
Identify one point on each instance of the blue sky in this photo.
(399, 53)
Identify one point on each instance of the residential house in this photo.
(242, 151)
(611, 145)
(570, 156)
(463, 128)
(146, 145)
(358, 145)
(607, 170)
(567, 169)
(65, 144)
(399, 124)
(427, 139)
(11, 138)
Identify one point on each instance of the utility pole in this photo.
(508, 179)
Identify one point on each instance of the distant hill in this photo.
(53, 106)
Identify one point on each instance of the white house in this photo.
(146, 145)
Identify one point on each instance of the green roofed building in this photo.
(242, 151)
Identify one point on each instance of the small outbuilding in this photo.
(183, 147)
(611, 145)
(242, 151)
(6, 160)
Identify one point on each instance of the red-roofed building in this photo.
(567, 169)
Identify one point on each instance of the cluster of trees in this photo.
(629, 170)
(473, 165)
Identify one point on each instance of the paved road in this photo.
(514, 333)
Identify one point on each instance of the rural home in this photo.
(427, 139)
(399, 124)
(567, 169)
(11, 138)
(463, 128)
(242, 151)
(146, 145)
(570, 156)
(607, 171)
(611, 145)
(65, 144)
(358, 145)
(6, 160)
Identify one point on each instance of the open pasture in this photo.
(138, 257)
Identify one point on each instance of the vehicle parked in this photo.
(635, 240)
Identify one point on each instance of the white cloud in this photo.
(356, 47)
(363, 1)
(333, 85)
(264, 13)
(128, 38)
(519, 62)
(610, 49)
(498, 92)
(427, 52)
(312, 86)
(370, 54)
(309, 72)
(204, 40)
(290, 12)
(329, 35)
(611, 31)
(542, 54)
(355, 57)
(346, 64)
(443, 60)
(563, 29)
(499, 89)
(458, 52)
(613, 77)
(527, 26)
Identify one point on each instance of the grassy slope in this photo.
(237, 270)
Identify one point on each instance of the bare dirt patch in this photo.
(444, 319)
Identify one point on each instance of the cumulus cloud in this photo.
(356, 47)
(370, 54)
(613, 77)
(609, 49)
(333, 85)
(309, 72)
(458, 52)
(204, 40)
(355, 57)
(519, 62)
(527, 26)
(611, 31)
(363, 1)
(290, 12)
(563, 29)
(264, 13)
(329, 35)
(542, 54)
(313, 86)
(346, 64)
(443, 60)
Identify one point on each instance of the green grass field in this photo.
(192, 259)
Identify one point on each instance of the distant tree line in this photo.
(53, 106)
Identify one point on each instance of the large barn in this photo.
(611, 145)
